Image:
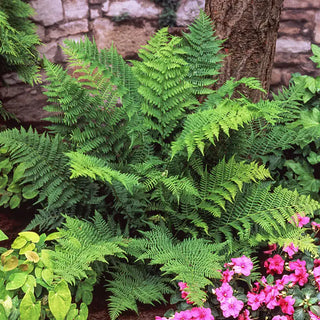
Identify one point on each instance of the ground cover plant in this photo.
(161, 179)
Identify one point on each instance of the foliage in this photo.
(175, 167)
(18, 40)
(168, 15)
(29, 289)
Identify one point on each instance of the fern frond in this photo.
(132, 283)
(202, 54)
(194, 261)
(88, 166)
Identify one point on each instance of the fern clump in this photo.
(18, 40)
(178, 169)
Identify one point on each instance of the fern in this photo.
(202, 54)
(18, 40)
(81, 243)
(194, 261)
(132, 283)
(162, 75)
(261, 213)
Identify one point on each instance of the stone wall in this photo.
(299, 28)
(130, 23)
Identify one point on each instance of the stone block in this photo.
(96, 1)
(295, 4)
(48, 12)
(11, 91)
(75, 9)
(289, 28)
(94, 14)
(275, 76)
(134, 8)
(11, 78)
(28, 108)
(41, 32)
(188, 10)
(69, 28)
(127, 38)
(285, 59)
(286, 44)
(297, 15)
(49, 50)
(316, 32)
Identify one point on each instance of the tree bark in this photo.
(250, 28)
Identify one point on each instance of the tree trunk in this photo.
(250, 28)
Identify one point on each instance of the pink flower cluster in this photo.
(299, 219)
(196, 313)
(229, 304)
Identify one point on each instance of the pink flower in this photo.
(184, 293)
(316, 262)
(255, 300)
(231, 307)
(274, 265)
(183, 315)
(279, 318)
(201, 313)
(245, 315)
(161, 318)
(227, 275)
(280, 283)
(224, 292)
(271, 298)
(299, 220)
(313, 316)
(286, 304)
(315, 226)
(242, 265)
(300, 272)
(291, 249)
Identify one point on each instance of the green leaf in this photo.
(4, 199)
(30, 283)
(47, 276)
(19, 243)
(298, 314)
(315, 310)
(14, 201)
(18, 172)
(53, 236)
(16, 280)
(3, 236)
(2, 313)
(73, 312)
(3, 181)
(60, 300)
(30, 236)
(28, 192)
(29, 309)
(14, 188)
(10, 263)
(84, 312)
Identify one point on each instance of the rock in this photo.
(49, 50)
(285, 59)
(126, 38)
(188, 10)
(285, 44)
(96, 1)
(297, 4)
(297, 15)
(134, 8)
(276, 76)
(27, 107)
(12, 91)
(11, 78)
(75, 9)
(48, 12)
(94, 13)
(41, 32)
(69, 28)
(316, 31)
(289, 28)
